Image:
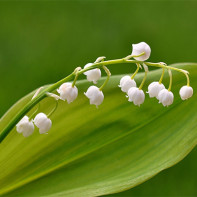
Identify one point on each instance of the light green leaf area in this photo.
(92, 152)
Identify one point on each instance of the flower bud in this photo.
(67, 92)
(92, 75)
(136, 96)
(126, 83)
(186, 92)
(154, 88)
(95, 95)
(25, 126)
(165, 97)
(140, 48)
(42, 122)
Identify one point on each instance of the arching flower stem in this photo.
(131, 56)
(42, 94)
(188, 82)
(138, 67)
(76, 72)
(53, 110)
(145, 76)
(35, 112)
(107, 79)
(170, 84)
(162, 75)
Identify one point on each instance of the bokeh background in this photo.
(43, 41)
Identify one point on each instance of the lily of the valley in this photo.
(136, 96)
(154, 88)
(126, 83)
(140, 48)
(186, 92)
(25, 126)
(92, 75)
(165, 97)
(67, 92)
(95, 95)
(42, 122)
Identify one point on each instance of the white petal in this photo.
(25, 127)
(126, 83)
(67, 92)
(186, 92)
(92, 75)
(95, 95)
(140, 48)
(42, 122)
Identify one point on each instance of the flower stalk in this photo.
(141, 53)
(107, 79)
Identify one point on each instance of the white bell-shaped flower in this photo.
(67, 92)
(42, 122)
(92, 75)
(154, 88)
(25, 126)
(165, 97)
(95, 95)
(186, 92)
(140, 48)
(126, 83)
(136, 96)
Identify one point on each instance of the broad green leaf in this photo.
(92, 152)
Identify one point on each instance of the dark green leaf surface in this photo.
(91, 152)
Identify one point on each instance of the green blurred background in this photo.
(43, 41)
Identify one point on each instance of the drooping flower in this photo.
(25, 126)
(126, 83)
(186, 92)
(92, 75)
(136, 96)
(165, 97)
(42, 122)
(95, 95)
(140, 48)
(67, 92)
(154, 88)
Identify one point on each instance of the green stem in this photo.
(53, 110)
(108, 76)
(188, 82)
(131, 56)
(170, 84)
(75, 80)
(138, 67)
(51, 88)
(144, 79)
(162, 75)
(35, 112)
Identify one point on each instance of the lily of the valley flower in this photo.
(165, 97)
(92, 75)
(186, 92)
(154, 88)
(136, 96)
(126, 83)
(25, 126)
(140, 48)
(42, 122)
(95, 95)
(67, 92)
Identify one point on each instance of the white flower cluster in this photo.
(69, 92)
(155, 89)
(95, 95)
(26, 127)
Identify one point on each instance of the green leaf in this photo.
(91, 152)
